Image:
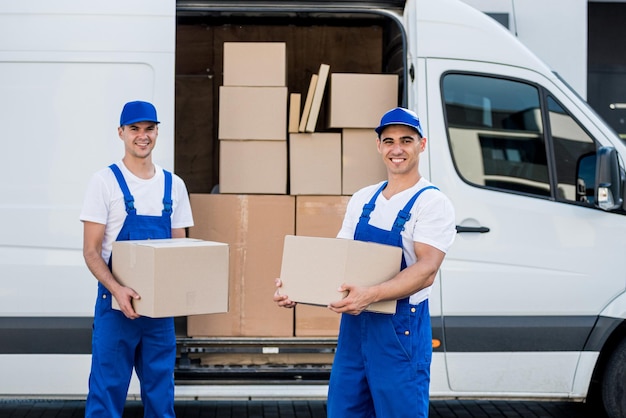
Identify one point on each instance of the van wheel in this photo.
(614, 383)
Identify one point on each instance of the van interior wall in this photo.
(357, 47)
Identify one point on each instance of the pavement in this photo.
(33, 408)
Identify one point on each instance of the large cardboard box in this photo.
(360, 100)
(254, 226)
(253, 113)
(174, 277)
(362, 164)
(315, 164)
(253, 167)
(314, 267)
(318, 216)
(255, 64)
(316, 321)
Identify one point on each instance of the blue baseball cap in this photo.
(400, 116)
(138, 111)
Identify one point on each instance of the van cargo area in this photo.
(354, 39)
(350, 37)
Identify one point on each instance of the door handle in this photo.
(479, 229)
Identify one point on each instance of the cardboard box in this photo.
(362, 164)
(316, 321)
(314, 267)
(255, 64)
(318, 216)
(315, 164)
(254, 167)
(253, 113)
(360, 100)
(254, 227)
(174, 277)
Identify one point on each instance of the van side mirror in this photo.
(609, 180)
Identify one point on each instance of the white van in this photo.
(530, 301)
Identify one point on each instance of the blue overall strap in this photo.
(128, 198)
(405, 214)
(167, 196)
(369, 207)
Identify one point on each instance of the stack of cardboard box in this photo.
(254, 226)
(318, 216)
(253, 119)
(252, 213)
(259, 204)
(330, 163)
(357, 102)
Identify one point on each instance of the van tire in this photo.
(614, 383)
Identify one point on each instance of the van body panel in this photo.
(65, 67)
(58, 65)
(27, 379)
(549, 374)
(554, 271)
(534, 264)
(616, 308)
(437, 20)
(584, 373)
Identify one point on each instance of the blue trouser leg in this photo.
(113, 345)
(399, 364)
(154, 363)
(382, 365)
(348, 392)
(119, 343)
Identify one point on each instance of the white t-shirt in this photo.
(104, 201)
(432, 220)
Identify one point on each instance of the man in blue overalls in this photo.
(382, 363)
(132, 199)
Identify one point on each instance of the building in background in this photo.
(582, 40)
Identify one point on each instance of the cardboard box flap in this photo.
(313, 268)
(170, 243)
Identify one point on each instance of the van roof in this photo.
(442, 24)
